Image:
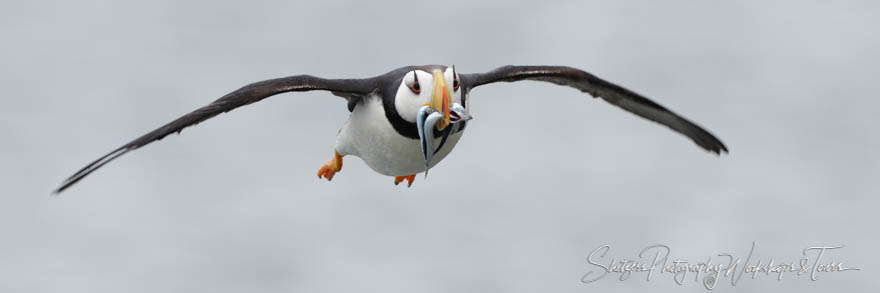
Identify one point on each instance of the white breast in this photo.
(369, 135)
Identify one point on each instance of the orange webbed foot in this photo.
(330, 168)
(409, 179)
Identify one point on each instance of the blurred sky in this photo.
(543, 176)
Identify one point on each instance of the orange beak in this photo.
(440, 99)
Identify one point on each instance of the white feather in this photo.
(369, 135)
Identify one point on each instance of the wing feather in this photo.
(248, 94)
(599, 88)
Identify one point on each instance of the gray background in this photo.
(233, 205)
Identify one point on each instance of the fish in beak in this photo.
(457, 114)
(438, 114)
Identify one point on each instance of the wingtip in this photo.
(721, 150)
(712, 144)
(60, 189)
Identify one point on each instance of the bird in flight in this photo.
(407, 120)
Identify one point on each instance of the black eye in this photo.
(415, 87)
(454, 79)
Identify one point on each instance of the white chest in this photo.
(369, 135)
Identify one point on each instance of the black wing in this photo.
(246, 95)
(597, 87)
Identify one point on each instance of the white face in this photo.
(410, 97)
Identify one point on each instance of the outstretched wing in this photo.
(246, 95)
(599, 88)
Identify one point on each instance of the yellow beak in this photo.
(440, 99)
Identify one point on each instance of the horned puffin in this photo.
(407, 120)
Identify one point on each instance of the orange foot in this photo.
(330, 168)
(409, 179)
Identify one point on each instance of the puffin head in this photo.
(435, 86)
(431, 98)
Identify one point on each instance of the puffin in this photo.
(404, 122)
